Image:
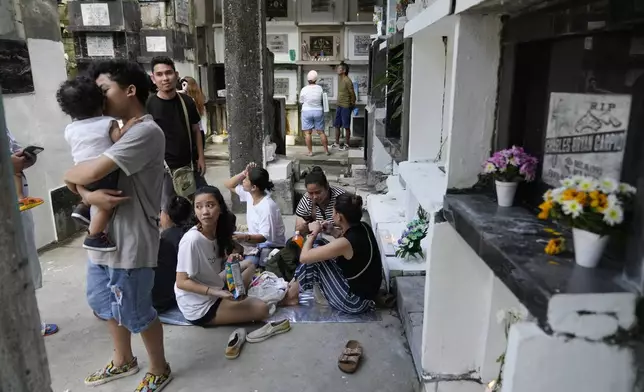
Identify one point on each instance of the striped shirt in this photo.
(304, 206)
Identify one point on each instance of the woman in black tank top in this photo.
(346, 272)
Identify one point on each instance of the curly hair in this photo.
(125, 73)
(80, 98)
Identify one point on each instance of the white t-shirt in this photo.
(89, 138)
(263, 218)
(311, 97)
(198, 258)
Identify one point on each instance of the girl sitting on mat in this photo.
(348, 269)
(201, 291)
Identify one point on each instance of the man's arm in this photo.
(90, 171)
(352, 93)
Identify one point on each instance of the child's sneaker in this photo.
(335, 145)
(343, 147)
(81, 214)
(153, 383)
(111, 373)
(99, 243)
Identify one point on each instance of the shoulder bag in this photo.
(183, 178)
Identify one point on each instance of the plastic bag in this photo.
(268, 287)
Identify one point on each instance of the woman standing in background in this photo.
(190, 87)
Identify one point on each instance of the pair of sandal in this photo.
(350, 358)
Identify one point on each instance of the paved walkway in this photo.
(302, 360)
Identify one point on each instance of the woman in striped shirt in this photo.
(317, 203)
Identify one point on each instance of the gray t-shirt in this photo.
(134, 227)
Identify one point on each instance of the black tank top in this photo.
(364, 269)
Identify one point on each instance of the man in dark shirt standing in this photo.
(166, 109)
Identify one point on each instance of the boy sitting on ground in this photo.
(90, 135)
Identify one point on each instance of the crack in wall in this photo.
(470, 376)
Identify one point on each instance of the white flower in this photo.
(607, 185)
(613, 215)
(613, 201)
(627, 188)
(405, 241)
(572, 207)
(557, 195)
(547, 195)
(568, 182)
(577, 179)
(587, 184)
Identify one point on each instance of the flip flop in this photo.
(29, 202)
(350, 358)
(50, 329)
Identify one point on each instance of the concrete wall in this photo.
(186, 68)
(35, 118)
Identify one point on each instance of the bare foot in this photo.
(309, 154)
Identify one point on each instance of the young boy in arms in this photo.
(90, 135)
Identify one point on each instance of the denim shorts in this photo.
(122, 295)
(313, 120)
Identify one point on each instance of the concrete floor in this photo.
(302, 360)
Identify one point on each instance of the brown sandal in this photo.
(350, 358)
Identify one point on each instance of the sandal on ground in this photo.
(29, 202)
(350, 358)
(235, 343)
(49, 329)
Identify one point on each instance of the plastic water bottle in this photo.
(298, 239)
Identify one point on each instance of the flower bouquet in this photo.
(409, 243)
(508, 168)
(594, 209)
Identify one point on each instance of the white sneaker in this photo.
(335, 145)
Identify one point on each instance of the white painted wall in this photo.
(36, 119)
(219, 44)
(473, 97)
(291, 75)
(461, 285)
(186, 68)
(350, 32)
(381, 161)
(536, 362)
(426, 100)
(293, 42)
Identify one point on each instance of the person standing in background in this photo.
(313, 113)
(344, 106)
(167, 109)
(192, 89)
(22, 161)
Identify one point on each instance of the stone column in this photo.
(248, 82)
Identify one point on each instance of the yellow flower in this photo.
(581, 197)
(545, 207)
(569, 194)
(555, 246)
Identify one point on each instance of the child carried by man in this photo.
(90, 135)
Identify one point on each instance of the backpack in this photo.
(285, 262)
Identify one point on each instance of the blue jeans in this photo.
(122, 295)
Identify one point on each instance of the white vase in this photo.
(589, 247)
(505, 192)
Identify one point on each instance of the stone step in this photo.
(410, 298)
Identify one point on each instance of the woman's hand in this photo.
(234, 257)
(218, 293)
(315, 228)
(248, 167)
